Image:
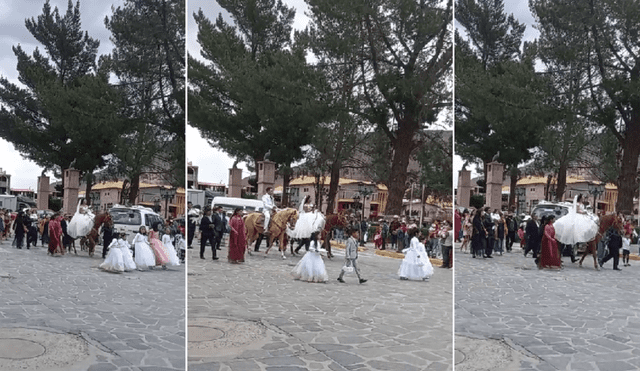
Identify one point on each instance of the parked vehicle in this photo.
(132, 218)
(230, 203)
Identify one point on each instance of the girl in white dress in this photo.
(119, 258)
(144, 255)
(82, 221)
(416, 264)
(311, 267)
(577, 226)
(307, 223)
(173, 255)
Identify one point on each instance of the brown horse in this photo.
(254, 225)
(89, 241)
(332, 221)
(606, 222)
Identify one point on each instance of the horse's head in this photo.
(343, 219)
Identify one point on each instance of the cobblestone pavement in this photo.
(126, 321)
(572, 319)
(255, 316)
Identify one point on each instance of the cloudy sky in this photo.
(13, 13)
(520, 10)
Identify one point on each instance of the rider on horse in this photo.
(269, 208)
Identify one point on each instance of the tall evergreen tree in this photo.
(402, 51)
(148, 60)
(603, 34)
(254, 93)
(64, 113)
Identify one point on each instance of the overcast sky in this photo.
(520, 10)
(24, 173)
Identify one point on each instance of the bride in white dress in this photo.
(82, 221)
(577, 226)
(119, 258)
(311, 267)
(308, 222)
(416, 264)
(144, 255)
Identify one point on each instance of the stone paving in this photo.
(123, 321)
(572, 319)
(255, 316)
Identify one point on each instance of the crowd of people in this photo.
(58, 231)
(483, 233)
(213, 224)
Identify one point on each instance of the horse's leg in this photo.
(594, 252)
(282, 247)
(269, 243)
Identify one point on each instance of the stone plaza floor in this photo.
(64, 313)
(255, 316)
(511, 316)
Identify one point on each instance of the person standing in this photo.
(416, 264)
(549, 255)
(615, 243)
(19, 229)
(192, 216)
(384, 233)
(107, 237)
(55, 235)
(351, 256)
(489, 227)
(447, 245)
(512, 226)
(479, 234)
(237, 238)
(207, 233)
(532, 232)
(220, 222)
(393, 229)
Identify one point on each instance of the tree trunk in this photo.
(134, 189)
(286, 179)
(402, 147)
(87, 193)
(333, 187)
(627, 180)
(562, 182)
(512, 188)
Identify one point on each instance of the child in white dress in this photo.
(311, 267)
(119, 258)
(173, 255)
(416, 264)
(144, 255)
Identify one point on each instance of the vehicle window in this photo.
(127, 217)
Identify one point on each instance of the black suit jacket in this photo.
(533, 233)
(207, 226)
(218, 224)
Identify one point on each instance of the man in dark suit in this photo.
(191, 224)
(220, 226)
(488, 225)
(207, 227)
(532, 235)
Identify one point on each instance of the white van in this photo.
(132, 218)
(229, 204)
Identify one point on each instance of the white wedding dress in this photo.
(173, 255)
(144, 255)
(307, 224)
(81, 222)
(576, 227)
(311, 267)
(416, 264)
(119, 258)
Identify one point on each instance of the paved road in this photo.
(128, 321)
(254, 316)
(573, 319)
